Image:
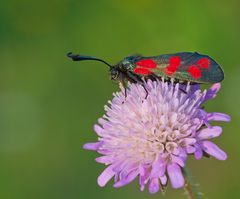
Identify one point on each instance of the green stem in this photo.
(190, 187)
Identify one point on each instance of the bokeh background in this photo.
(49, 104)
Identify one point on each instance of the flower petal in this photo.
(187, 141)
(213, 150)
(209, 133)
(178, 160)
(153, 186)
(175, 175)
(218, 117)
(92, 146)
(195, 87)
(98, 129)
(182, 154)
(144, 176)
(105, 176)
(158, 168)
(190, 149)
(104, 159)
(130, 177)
(211, 93)
(198, 153)
(163, 180)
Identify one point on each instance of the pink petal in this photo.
(188, 141)
(195, 87)
(128, 169)
(211, 93)
(144, 176)
(175, 175)
(158, 168)
(119, 165)
(218, 117)
(163, 180)
(176, 151)
(215, 87)
(153, 186)
(99, 130)
(130, 177)
(105, 176)
(178, 160)
(198, 153)
(210, 132)
(104, 159)
(182, 154)
(213, 150)
(190, 149)
(92, 146)
(141, 170)
(102, 121)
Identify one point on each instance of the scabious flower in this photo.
(151, 137)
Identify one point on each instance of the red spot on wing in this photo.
(203, 63)
(174, 63)
(170, 70)
(142, 71)
(194, 71)
(147, 63)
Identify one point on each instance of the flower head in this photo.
(151, 137)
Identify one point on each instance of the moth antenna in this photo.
(76, 57)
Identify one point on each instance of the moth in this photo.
(180, 67)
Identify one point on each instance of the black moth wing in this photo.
(212, 74)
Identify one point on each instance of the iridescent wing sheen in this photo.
(185, 66)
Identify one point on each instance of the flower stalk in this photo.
(191, 188)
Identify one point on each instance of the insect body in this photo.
(181, 67)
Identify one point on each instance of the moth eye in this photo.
(114, 75)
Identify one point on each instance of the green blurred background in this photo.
(49, 104)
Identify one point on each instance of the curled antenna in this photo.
(76, 57)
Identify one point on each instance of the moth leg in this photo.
(123, 84)
(183, 90)
(137, 79)
(154, 77)
(125, 92)
(145, 90)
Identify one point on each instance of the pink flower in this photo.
(151, 138)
